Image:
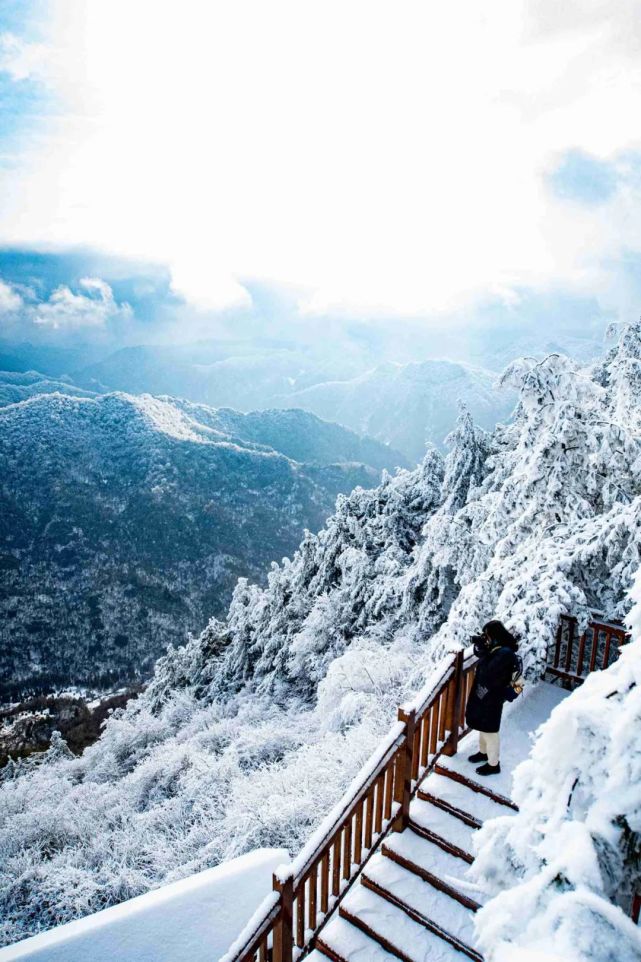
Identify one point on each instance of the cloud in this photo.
(10, 300)
(92, 307)
(67, 310)
(583, 178)
(19, 58)
(377, 159)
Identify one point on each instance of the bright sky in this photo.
(375, 158)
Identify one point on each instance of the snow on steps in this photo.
(421, 897)
(412, 901)
(475, 786)
(456, 797)
(443, 824)
(404, 936)
(431, 863)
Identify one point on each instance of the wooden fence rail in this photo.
(377, 802)
(574, 656)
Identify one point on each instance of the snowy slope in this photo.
(195, 919)
(18, 386)
(125, 521)
(251, 732)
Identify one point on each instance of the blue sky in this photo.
(24, 100)
(254, 166)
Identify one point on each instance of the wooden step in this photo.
(421, 919)
(374, 936)
(443, 843)
(423, 897)
(327, 951)
(317, 955)
(434, 819)
(341, 941)
(470, 820)
(432, 879)
(476, 787)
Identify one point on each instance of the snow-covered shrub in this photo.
(568, 865)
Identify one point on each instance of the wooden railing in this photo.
(378, 802)
(635, 911)
(574, 656)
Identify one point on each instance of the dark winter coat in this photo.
(492, 679)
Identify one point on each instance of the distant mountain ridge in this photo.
(126, 521)
(405, 405)
(409, 405)
(408, 401)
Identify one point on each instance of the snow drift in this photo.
(194, 919)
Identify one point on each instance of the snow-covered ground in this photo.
(521, 719)
(195, 919)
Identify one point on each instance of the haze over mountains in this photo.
(128, 518)
(126, 521)
(409, 405)
(406, 403)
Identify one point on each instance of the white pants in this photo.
(489, 743)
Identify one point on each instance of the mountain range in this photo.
(405, 405)
(406, 397)
(126, 521)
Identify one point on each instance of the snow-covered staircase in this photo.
(385, 875)
(412, 900)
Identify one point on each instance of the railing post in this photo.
(403, 773)
(636, 908)
(557, 644)
(569, 651)
(283, 926)
(453, 714)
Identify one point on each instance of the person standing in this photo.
(496, 681)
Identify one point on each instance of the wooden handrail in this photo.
(575, 656)
(376, 803)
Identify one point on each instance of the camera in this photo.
(480, 645)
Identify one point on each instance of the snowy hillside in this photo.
(409, 405)
(405, 405)
(126, 521)
(250, 733)
(19, 386)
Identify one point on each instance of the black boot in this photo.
(478, 757)
(488, 769)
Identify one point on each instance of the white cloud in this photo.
(18, 58)
(376, 157)
(66, 310)
(10, 300)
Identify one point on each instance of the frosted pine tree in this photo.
(542, 535)
(465, 466)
